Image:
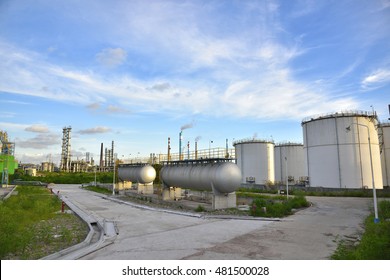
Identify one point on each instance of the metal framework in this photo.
(66, 149)
(198, 161)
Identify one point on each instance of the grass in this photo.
(375, 242)
(32, 225)
(271, 207)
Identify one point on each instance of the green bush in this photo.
(200, 208)
(66, 177)
(277, 208)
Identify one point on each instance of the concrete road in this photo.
(309, 234)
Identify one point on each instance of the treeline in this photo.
(63, 177)
(73, 178)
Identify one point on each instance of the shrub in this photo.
(200, 208)
(275, 207)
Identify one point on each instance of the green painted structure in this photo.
(9, 162)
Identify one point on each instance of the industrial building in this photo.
(341, 150)
(290, 163)
(255, 158)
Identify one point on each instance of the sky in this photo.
(137, 72)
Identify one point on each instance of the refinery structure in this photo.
(8, 164)
(343, 150)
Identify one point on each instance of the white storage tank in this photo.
(337, 153)
(144, 174)
(384, 137)
(295, 162)
(220, 177)
(255, 158)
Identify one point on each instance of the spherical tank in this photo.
(255, 158)
(143, 174)
(295, 161)
(384, 130)
(337, 152)
(223, 177)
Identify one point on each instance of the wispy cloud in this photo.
(93, 106)
(117, 109)
(95, 130)
(376, 79)
(201, 67)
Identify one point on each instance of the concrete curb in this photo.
(189, 214)
(9, 193)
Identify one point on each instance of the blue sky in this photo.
(136, 71)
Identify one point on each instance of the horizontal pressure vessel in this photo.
(222, 177)
(143, 174)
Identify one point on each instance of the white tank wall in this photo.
(336, 158)
(256, 159)
(295, 162)
(385, 155)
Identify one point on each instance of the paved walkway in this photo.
(145, 234)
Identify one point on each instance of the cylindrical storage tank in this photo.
(337, 153)
(143, 174)
(255, 158)
(221, 177)
(295, 162)
(31, 172)
(384, 130)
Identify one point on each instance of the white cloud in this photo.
(41, 141)
(376, 79)
(112, 57)
(95, 130)
(38, 128)
(255, 90)
(206, 68)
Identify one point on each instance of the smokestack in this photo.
(105, 157)
(112, 154)
(227, 149)
(196, 150)
(169, 149)
(188, 150)
(180, 139)
(101, 156)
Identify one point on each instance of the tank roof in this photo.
(384, 124)
(253, 141)
(288, 144)
(197, 161)
(369, 114)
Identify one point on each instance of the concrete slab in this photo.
(145, 234)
